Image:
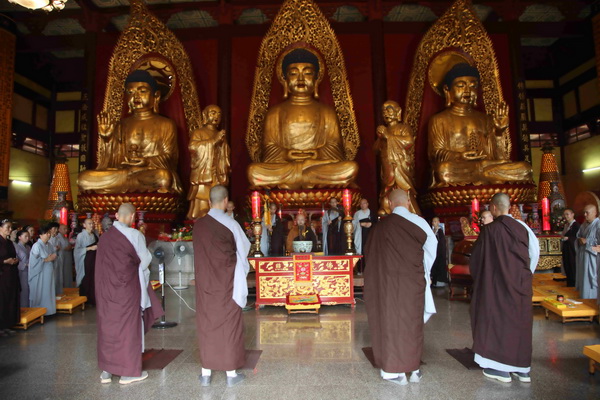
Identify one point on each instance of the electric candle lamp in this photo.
(63, 215)
(545, 214)
(255, 205)
(475, 205)
(346, 200)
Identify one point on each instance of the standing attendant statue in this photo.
(395, 144)
(210, 161)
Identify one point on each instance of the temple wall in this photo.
(28, 203)
(578, 156)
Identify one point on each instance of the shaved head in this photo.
(218, 194)
(398, 197)
(487, 217)
(126, 214)
(500, 204)
(590, 212)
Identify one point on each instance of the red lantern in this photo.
(255, 205)
(545, 214)
(63, 216)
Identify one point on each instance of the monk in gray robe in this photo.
(401, 250)
(587, 261)
(221, 265)
(64, 261)
(502, 264)
(85, 242)
(125, 302)
(23, 250)
(42, 291)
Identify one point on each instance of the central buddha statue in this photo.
(467, 146)
(139, 153)
(302, 146)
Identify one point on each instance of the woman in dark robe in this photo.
(10, 312)
(88, 285)
(439, 271)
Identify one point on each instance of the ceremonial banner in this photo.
(303, 266)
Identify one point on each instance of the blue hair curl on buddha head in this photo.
(300, 56)
(142, 76)
(461, 69)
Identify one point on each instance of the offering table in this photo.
(332, 279)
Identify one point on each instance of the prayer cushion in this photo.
(68, 303)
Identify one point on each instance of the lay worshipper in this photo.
(271, 241)
(221, 265)
(569, 237)
(42, 291)
(300, 232)
(125, 302)
(397, 295)
(32, 238)
(23, 250)
(86, 241)
(9, 281)
(333, 229)
(502, 264)
(587, 261)
(439, 271)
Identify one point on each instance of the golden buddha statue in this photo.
(467, 146)
(395, 144)
(139, 153)
(302, 144)
(210, 161)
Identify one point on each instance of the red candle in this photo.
(347, 200)
(255, 205)
(545, 214)
(475, 205)
(279, 212)
(63, 216)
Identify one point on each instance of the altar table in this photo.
(586, 311)
(332, 279)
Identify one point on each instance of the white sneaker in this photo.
(126, 380)
(415, 377)
(105, 377)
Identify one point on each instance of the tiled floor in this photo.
(304, 357)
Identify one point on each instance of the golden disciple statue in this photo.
(139, 153)
(395, 144)
(210, 161)
(302, 145)
(467, 146)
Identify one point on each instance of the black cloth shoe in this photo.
(232, 381)
(497, 375)
(522, 376)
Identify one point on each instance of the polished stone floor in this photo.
(304, 357)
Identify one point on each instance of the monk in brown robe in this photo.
(221, 265)
(301, 232)
(9, 281)
(502, 263)
(125, 301)
(397, 294)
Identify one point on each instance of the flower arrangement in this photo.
(183, 233)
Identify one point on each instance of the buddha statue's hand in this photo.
(382, 132)
(135, 162)
(220, 136)
(500, 117)
(473, 155)
(301, 155)
(105, 126)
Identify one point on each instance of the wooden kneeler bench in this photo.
(593, 353)
(68, 303)
(30, 316)
(586, 311)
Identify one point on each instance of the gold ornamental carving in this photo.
(301, 21)
(549, 262)
(462, 196)
(460, 33)
(145, 36)
(7, 67)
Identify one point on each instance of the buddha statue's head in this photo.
(461, 84)
(211, 115)
(300, 69)
(141, 92)
(391, 112)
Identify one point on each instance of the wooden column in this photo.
(7, 73)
